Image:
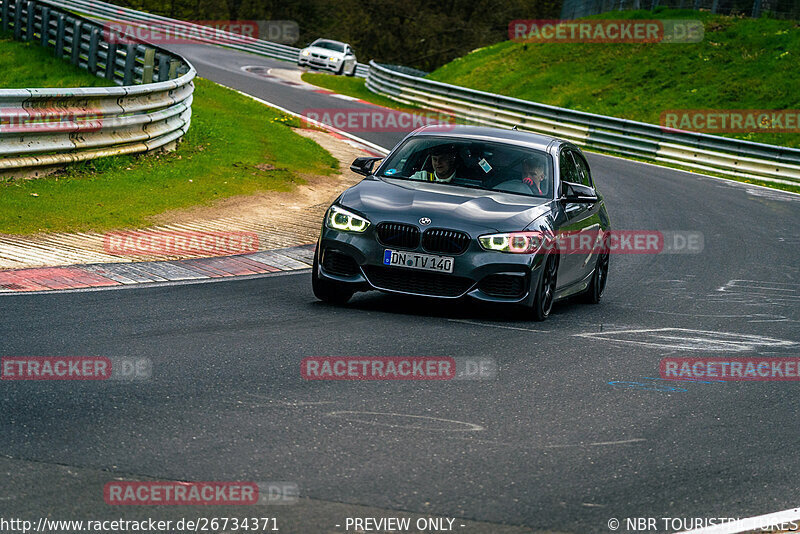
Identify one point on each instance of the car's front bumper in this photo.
(319, 63)
(484, 275)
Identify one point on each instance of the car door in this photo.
(591, 222)
(577, 219)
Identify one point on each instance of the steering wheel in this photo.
(513, 186)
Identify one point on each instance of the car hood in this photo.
(464, 208)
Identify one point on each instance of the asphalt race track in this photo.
(576, 428)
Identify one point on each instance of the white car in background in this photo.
(326, 54)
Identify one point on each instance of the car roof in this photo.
(517, 137)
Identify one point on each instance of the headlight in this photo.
(334, 58)
(514, 242)
(305, 52)
(345, 221)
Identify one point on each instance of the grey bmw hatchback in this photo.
(468, 212)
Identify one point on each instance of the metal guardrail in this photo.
(102, 10)
(51, 127)
(699, 151)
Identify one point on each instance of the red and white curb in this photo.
(123, 274)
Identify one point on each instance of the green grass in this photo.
(30, 65)
(741, 64)
(355, 87)
(235, 146)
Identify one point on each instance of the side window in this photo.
(569, 172)
(583, 169)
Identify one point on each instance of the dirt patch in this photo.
(316, 190)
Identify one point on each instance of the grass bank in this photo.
(742, 63)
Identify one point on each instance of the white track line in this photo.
(754, 523)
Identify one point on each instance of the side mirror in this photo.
(578, 193)
(364, 165)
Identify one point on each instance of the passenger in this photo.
(534, 175)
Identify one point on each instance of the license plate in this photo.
(413, 260)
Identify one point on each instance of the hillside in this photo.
(741, 64)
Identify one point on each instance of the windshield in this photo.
(329, 45)
(486, 165)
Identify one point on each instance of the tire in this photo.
(597, 286)
(341, 69)
(545, 289)
(329, 291)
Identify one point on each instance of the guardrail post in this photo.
(77, 28)
(654, 5)
(756, 9)
(163, 67)
(59, 50)
(45, 26)
(91, 61)
(4, 14)
(149, 62)
(111, 61)
(130, 62)
(31, 21)
(173, 69)
(18, 20)
(715, 6)
(696, 5)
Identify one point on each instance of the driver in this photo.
(443, 161)
(533, 175)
